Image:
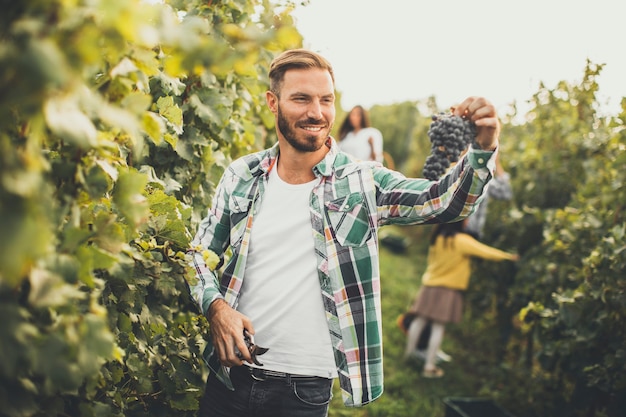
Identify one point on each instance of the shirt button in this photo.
(481, 161)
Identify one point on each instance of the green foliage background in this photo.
(543, 337)
(118, 118)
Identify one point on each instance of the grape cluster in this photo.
(450, 136)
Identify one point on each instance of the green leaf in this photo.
(129, 199)
(171, 112)
(97, 345)
(171, 85)
(168, 217)
(206, 113)
(187, 402)
(166, 285)
(97, 182)
(26, 238)
(124, 323)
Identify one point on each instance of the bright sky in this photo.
(391, 51)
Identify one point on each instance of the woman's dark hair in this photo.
(347, 127)
(446, 230)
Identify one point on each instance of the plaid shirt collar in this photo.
(323, 168)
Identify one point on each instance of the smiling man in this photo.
(301, 220)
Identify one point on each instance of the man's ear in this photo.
(272, 101)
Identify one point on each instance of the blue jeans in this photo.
(271, 397)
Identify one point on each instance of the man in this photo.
(302, 220)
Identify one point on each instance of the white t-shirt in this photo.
(281, 292)
(357, 144)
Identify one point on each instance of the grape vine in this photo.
(450, 136)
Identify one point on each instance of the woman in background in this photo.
(358, 138)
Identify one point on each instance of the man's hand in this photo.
(483, 114)
(227, 331)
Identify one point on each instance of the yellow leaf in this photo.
(146, 61)
(246, 66)
(118, 354)
(233, 31)
(171, 139)
(289, 37)
(153, 126)
(210, 258)
(173, 66)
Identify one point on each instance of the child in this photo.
(440, 299)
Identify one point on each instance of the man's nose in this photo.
(314, 110)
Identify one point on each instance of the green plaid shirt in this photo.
(348, 205)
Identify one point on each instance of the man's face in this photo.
(305, 110)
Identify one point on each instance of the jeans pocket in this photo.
(315, 392)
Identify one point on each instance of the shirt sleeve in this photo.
(474, 248)
(208, 247)
(484, 162)
(455, 196)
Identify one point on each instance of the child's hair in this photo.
(446, 230)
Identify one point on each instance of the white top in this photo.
(356, 144)
(281, 292)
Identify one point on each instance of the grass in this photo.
(407, 393)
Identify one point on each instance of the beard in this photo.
(308, 143)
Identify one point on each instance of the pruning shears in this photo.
(254, 349)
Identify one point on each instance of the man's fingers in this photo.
(475, 108)
(232, 354)
(243, 354)
(463, 108)
(227, 327)
(480, 111)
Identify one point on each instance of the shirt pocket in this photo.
(349, 220)
(239, 209)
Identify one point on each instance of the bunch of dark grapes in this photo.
(450, 136)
